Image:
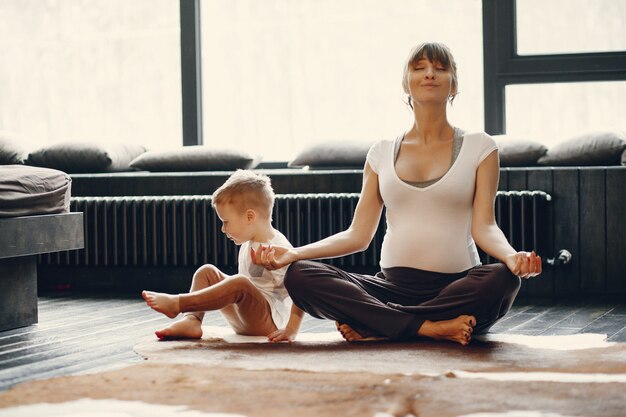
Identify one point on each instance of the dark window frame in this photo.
(191, 71)
(503, 66)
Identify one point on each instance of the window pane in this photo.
(91, 70)
(570, 26)
(280, 75)
(552, 113)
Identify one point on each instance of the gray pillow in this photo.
(195, 158)
(595, 148)
(624, 157)
(77, 157)
(10, 152)
(333, 154)
(26, 191)
(518, 152)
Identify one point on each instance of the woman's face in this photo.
(429, 81)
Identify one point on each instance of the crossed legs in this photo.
(434, 305)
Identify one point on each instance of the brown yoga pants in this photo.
(396, 301)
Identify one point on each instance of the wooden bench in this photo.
(21, 240)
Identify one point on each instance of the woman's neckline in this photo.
(458, 135)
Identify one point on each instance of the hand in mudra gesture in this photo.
(524, 264)
(272, 257)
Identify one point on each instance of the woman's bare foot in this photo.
(456, 330)
(352, 335)
(190, 327)
(163, 303)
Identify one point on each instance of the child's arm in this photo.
(288, 334)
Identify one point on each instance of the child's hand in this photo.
(282, 335)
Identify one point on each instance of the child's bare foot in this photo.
(352, 335)
(163, 303)
(190, 327)
(456, 330)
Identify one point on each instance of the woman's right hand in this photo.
(273, 257)
(524, 264)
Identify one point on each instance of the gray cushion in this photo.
(77, 157)
(195, 158)
(28, 191)
(333, 154)
(596, 148)
(10, 151)
(516, 152)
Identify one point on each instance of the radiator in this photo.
(185, 230)
(525, 218)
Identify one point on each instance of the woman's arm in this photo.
(485, 230)
(354, 239)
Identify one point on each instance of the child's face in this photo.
(237, 225)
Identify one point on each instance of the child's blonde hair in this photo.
(246, 190)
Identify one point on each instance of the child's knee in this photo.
(241, 287)
(240, 282)
(208, 272)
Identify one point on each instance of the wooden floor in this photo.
(80, 333)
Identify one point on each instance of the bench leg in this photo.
(18, 292)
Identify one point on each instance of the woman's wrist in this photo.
(510, 255)
(297, 256)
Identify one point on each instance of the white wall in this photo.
(102, 70)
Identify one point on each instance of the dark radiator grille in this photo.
(524, 217)
(185, 231)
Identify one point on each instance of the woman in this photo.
(438, 185)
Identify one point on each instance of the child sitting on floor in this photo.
(254, 301)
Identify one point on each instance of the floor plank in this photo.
(80, 333)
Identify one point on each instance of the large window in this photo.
(554, 68)
(570, 26)
(95, 70)
(552, 113)
(280, 75)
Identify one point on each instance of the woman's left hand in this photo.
(524, 264)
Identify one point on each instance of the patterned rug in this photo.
(321, 375)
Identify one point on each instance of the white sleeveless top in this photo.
(430, 228)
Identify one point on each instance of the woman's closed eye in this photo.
(422, 67)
